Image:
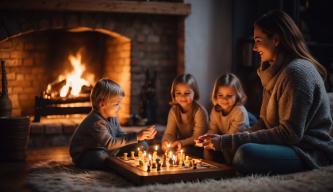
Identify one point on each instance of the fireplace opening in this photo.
(57, 69)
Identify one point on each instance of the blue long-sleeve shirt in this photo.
(96, 132)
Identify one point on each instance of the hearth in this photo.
(36, 43)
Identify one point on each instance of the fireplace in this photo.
(120, 45)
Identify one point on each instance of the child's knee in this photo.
(93, 160)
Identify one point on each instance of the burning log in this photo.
(86, 89)
(53, 89)
(45, 107)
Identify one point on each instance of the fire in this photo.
(74, 82)
(71, 83)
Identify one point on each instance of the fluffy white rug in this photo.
(59, 176)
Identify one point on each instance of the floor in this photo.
(13, 174)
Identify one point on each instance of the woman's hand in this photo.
(209, 141)
(147, 133)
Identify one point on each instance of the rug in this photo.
(58, 176)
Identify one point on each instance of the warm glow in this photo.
(74, 81)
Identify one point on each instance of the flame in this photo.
(74, 82)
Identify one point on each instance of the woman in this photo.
(293, 131)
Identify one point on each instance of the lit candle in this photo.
(181, 158)
(168, 146)
(125, 156)
(149, 160)
(144, 156)
(155, 153)
(173, 159)
(139, 153)
(144, 167)
(170, 154)
(187, 161)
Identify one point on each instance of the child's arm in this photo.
(110, 142)
(213, 126)
(147, 133)
(239, 120)
(200, 127)
(171, 128)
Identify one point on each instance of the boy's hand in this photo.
(147, 133)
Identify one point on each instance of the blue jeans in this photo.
(267, 159)
(95, 158)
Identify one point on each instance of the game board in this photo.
(131, 169)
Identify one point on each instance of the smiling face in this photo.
(226, 98)
(265, 46)
(111, 107)
(184, 95)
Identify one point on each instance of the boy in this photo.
(99, 135)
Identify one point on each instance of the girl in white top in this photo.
(228, 115)
(187, 119)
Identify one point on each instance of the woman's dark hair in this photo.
(291, 39)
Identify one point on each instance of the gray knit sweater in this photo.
(95, 132)
(186, 127)
(295, 112)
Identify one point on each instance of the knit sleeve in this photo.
(256, 127)
(294, 101)
(170, 132)
(199, 128)
(103, 136)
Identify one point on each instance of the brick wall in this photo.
(154, 43)
(24, 58)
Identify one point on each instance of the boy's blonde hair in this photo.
(229, 80)
(103, 90)
(186, 79)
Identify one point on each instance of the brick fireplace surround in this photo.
(146, 40)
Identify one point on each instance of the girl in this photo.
(228, 115)
(187, 119)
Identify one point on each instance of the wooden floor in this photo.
(13, 175)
